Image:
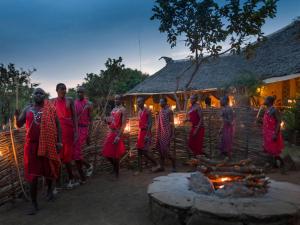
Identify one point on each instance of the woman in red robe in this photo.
(114, 148)
(272, 137)
(197, 131)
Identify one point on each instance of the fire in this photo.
(127, 127)
(176, 121)
(224, 179)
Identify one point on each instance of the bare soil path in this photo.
(102, 201)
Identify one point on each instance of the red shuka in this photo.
(65, 118)
(83, 117)
(195, 142)
(34, 165)
(143, 130)
(111, 150)
(270, 146)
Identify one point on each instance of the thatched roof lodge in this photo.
(275, 61)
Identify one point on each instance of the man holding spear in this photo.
(43, 140)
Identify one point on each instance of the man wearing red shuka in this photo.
(43, 140)
(272, 138)
(65, 111)
(197, 131)
(83, 110)
(114, 147)
(144, 136)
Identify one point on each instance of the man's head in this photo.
(140, 102)
(193, 99)
(39, 96)
(163, 102)
(269, 101)
(80, 92)
(61, 90)
(224, 101)
(118, 100)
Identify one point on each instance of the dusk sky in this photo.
(65, 39)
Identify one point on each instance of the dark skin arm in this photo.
(149, 126)
(59, 135)
(21, 119)
(90, 109)
(172, 124)
(74, 118)
(276, 115)
(120, 132)
(199, 112)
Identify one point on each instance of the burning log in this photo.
(224, 163)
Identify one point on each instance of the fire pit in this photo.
(210, 198)
(228, 179)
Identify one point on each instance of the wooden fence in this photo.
(247, 144)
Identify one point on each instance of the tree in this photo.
(207, 26)
(15, 90)
(115, 79)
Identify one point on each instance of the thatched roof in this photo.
(278, 56)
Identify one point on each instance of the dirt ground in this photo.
(103, 201)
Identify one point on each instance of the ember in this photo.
(234, 175)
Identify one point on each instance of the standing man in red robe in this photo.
(144, 136)
(43, 140)
(84, 111)
(65, 111)
(114, 147)
(197, 131)
(272, 137)
(164, 134)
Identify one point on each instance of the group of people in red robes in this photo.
(57, 130)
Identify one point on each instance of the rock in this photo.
(172, 202)
(200, 184)
(234, 190)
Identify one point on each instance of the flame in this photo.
(151, 107)
(127, 127)
(173, 107)
(224, 179)
(282, 125)
(176, 121)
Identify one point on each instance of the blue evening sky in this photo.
(65, 39)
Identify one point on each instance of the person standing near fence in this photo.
(84, 111)
(42, 143)
(144, 135)
(272, 137)
(164, 134)
(65, 111)
(227, 130)
(195, 116)
(114, 148)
